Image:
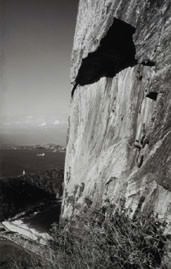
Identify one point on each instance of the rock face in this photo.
(119, 140)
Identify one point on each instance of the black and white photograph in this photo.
(85, 134)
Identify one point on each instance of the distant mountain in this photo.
(54, 147)
(34, 136)
(50, 147)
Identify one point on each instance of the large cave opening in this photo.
(115, 53)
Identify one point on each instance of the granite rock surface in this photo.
(119, 140)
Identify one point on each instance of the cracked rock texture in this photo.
(119, 140)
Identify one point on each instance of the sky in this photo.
(36, 43)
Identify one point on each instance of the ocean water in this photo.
(14, 161)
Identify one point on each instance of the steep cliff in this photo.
(119, 140)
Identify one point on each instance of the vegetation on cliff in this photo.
(99, 238)
(104, 238)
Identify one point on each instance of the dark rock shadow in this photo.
(115, 53)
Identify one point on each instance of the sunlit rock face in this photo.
(119, 141)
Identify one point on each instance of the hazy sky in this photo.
(37, 43)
